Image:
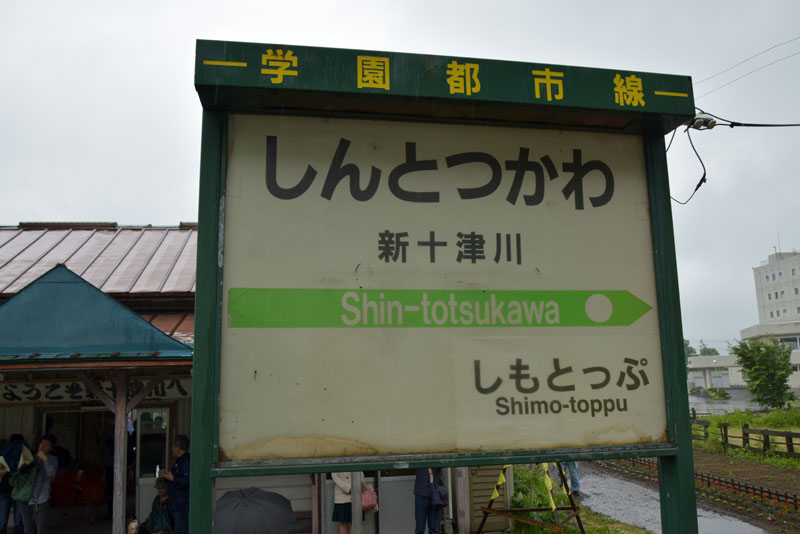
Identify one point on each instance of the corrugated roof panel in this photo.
(109, 260)
(186, 326)
(180, 326)
(133, 264)
(160, 266)
(181, 280)
(115, 259)
(11, 249)
(70, 243)
(7, 234)
(28, 256)
(84, 257)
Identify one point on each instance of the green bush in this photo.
(780, 418)
(718, 393)
(530, 491)
(734, 419)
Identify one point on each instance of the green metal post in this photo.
(676, 472)
(207, 318)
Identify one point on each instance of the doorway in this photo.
(152, 453)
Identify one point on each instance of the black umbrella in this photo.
(254, 511)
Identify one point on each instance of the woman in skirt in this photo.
(342, 501)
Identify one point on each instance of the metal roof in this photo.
(61, 317)
(150, 269)
(118, 260)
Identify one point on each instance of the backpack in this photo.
(22, 483)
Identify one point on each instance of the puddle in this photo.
(638, 505)
(740, 401)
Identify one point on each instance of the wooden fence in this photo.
(777, 442)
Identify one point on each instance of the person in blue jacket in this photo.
(424, 509)
(179, 491)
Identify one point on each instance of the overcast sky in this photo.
(99, 120)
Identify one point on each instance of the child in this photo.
(160, 519)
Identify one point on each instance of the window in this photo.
(784, 312)
(797, 291)
(767, 278)
(780, 275)
(769, 296)
(796, 368)
(770, 315)
(773, 277)
(789, 342)
(776, 295)
(798, 310)
(783, 293)
(794, 271)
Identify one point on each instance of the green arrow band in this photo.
(426, 308)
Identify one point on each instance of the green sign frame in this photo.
(277, 78)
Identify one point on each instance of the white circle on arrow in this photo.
(599, 308)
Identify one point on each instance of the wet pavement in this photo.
(740, 401)
(637, 504)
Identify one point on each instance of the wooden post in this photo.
(789, 444)
(765, 442)
(723, 427)
(462, 499)
(355, 493)
(316, 502)
(745, 436)
(120, 451)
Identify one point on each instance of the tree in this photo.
(766, 367)
(688, 350)
(707, 351)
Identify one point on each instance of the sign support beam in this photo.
(676, 473)
(205, 377)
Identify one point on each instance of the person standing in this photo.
(574, 478)
(34, 512)
(11, 453)
(179, 491)
(6, 502)
(342, 501)
(424, 509)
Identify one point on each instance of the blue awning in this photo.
(60, 317)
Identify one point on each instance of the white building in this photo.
(719, 371)
(778, 297)
(777, 283)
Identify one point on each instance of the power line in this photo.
(671, 139)
(748, 74)
(702, 178)
(704, 122)
(746, 60)
(732, 124)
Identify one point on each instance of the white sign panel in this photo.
(408, 288)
